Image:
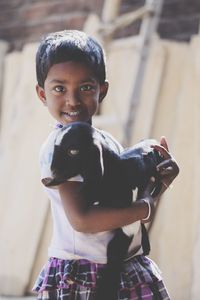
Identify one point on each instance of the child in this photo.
(71, 83)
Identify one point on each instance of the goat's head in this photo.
(77, 152)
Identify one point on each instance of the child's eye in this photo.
(59, 89)
(86, 87)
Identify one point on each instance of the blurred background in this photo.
(153, 65)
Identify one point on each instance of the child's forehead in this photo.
(71, 69)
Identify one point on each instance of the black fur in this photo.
(109, 179)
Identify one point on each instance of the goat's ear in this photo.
(57, 166)
(49, 181)
(95, 170)
(57, 159)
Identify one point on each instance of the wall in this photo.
(26, 21)
(169, 106)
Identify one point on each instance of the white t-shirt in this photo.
(66, 242)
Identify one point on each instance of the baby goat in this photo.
(109, 179)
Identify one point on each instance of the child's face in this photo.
(71, 92)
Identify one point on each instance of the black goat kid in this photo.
(109, 180)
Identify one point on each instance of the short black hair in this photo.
(69, 45)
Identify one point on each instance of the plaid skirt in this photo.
(76, 280)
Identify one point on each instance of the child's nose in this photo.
(72, 98)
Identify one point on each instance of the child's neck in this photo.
(59, 125)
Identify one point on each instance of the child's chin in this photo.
(68, 120)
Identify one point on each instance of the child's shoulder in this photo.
(47, 146)
(46, 153)
(111, 141)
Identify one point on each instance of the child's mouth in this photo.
(72, 113)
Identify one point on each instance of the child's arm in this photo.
(95, 219)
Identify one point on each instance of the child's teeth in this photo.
(73, 113)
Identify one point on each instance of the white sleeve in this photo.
(113, 143)
(45, 159)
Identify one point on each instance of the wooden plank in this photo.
(116, 104)
(174, 232)
(110, 10)
(41, 255)
(8, 103)
(195, 288)
(168, 105)
(147, 33)
(3, 51)
(121, 80)
(23, 205)
(146, 108)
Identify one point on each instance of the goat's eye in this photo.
(73, 152)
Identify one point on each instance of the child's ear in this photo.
(41, 94)
(103, 90)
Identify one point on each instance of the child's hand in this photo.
(168, 169)
(146, 196)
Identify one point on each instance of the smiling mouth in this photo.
(72, 113)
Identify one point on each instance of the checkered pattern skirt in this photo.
(76, 280)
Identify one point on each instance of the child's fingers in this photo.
(150, 185)
(148, 189)
(166, 172)
(168, 167)
(167, 163)
(162, 150)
